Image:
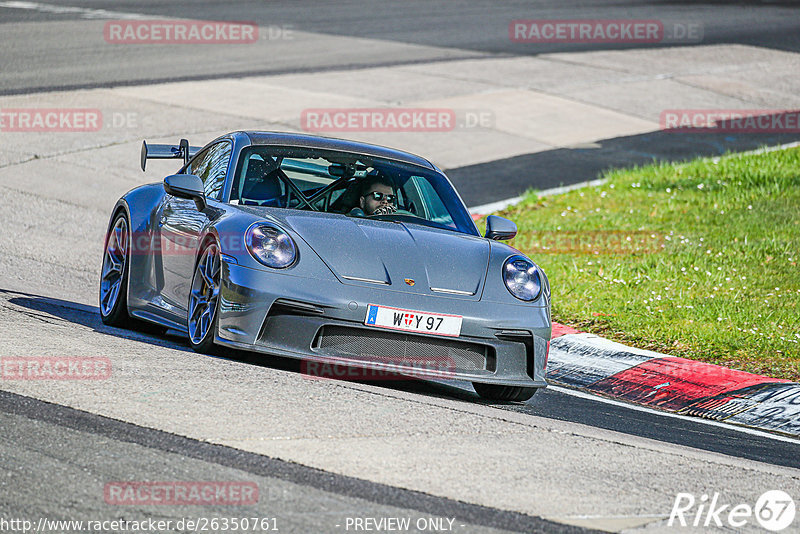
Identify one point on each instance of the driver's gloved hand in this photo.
(385, 210)
(356, 212)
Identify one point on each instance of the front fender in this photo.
(144, 274)
(229, 231)
(495, 289)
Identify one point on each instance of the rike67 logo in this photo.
(774, 510)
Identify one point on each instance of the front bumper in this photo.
(323, 320)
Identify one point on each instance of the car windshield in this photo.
(339, 182)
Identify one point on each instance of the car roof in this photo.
(330, 143)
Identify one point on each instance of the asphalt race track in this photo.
(62, 455)
(431, 31)
(324, 453)
(48, 49)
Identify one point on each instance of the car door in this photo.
(180, 224)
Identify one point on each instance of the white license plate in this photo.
(413, 321)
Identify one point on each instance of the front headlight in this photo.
(270, 245)
(522, 278)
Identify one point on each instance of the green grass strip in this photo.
(698, 259)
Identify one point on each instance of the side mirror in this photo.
(499, 229)
(186, 186)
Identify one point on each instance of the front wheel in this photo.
(114, 274)
(503, 393)
(204, 300)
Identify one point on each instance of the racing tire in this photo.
(114, 274)
(203, 310)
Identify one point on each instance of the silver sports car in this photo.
(331, 251)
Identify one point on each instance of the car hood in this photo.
(400, 256)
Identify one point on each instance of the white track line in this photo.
(491, 207)
(639, 408)
(760, 150)
(85, 13)
(502, 204)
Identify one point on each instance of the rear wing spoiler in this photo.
(182, 150)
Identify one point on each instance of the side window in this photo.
(211, 165)
(432, 202)
(258, 183)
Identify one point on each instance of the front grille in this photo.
(406, 350)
